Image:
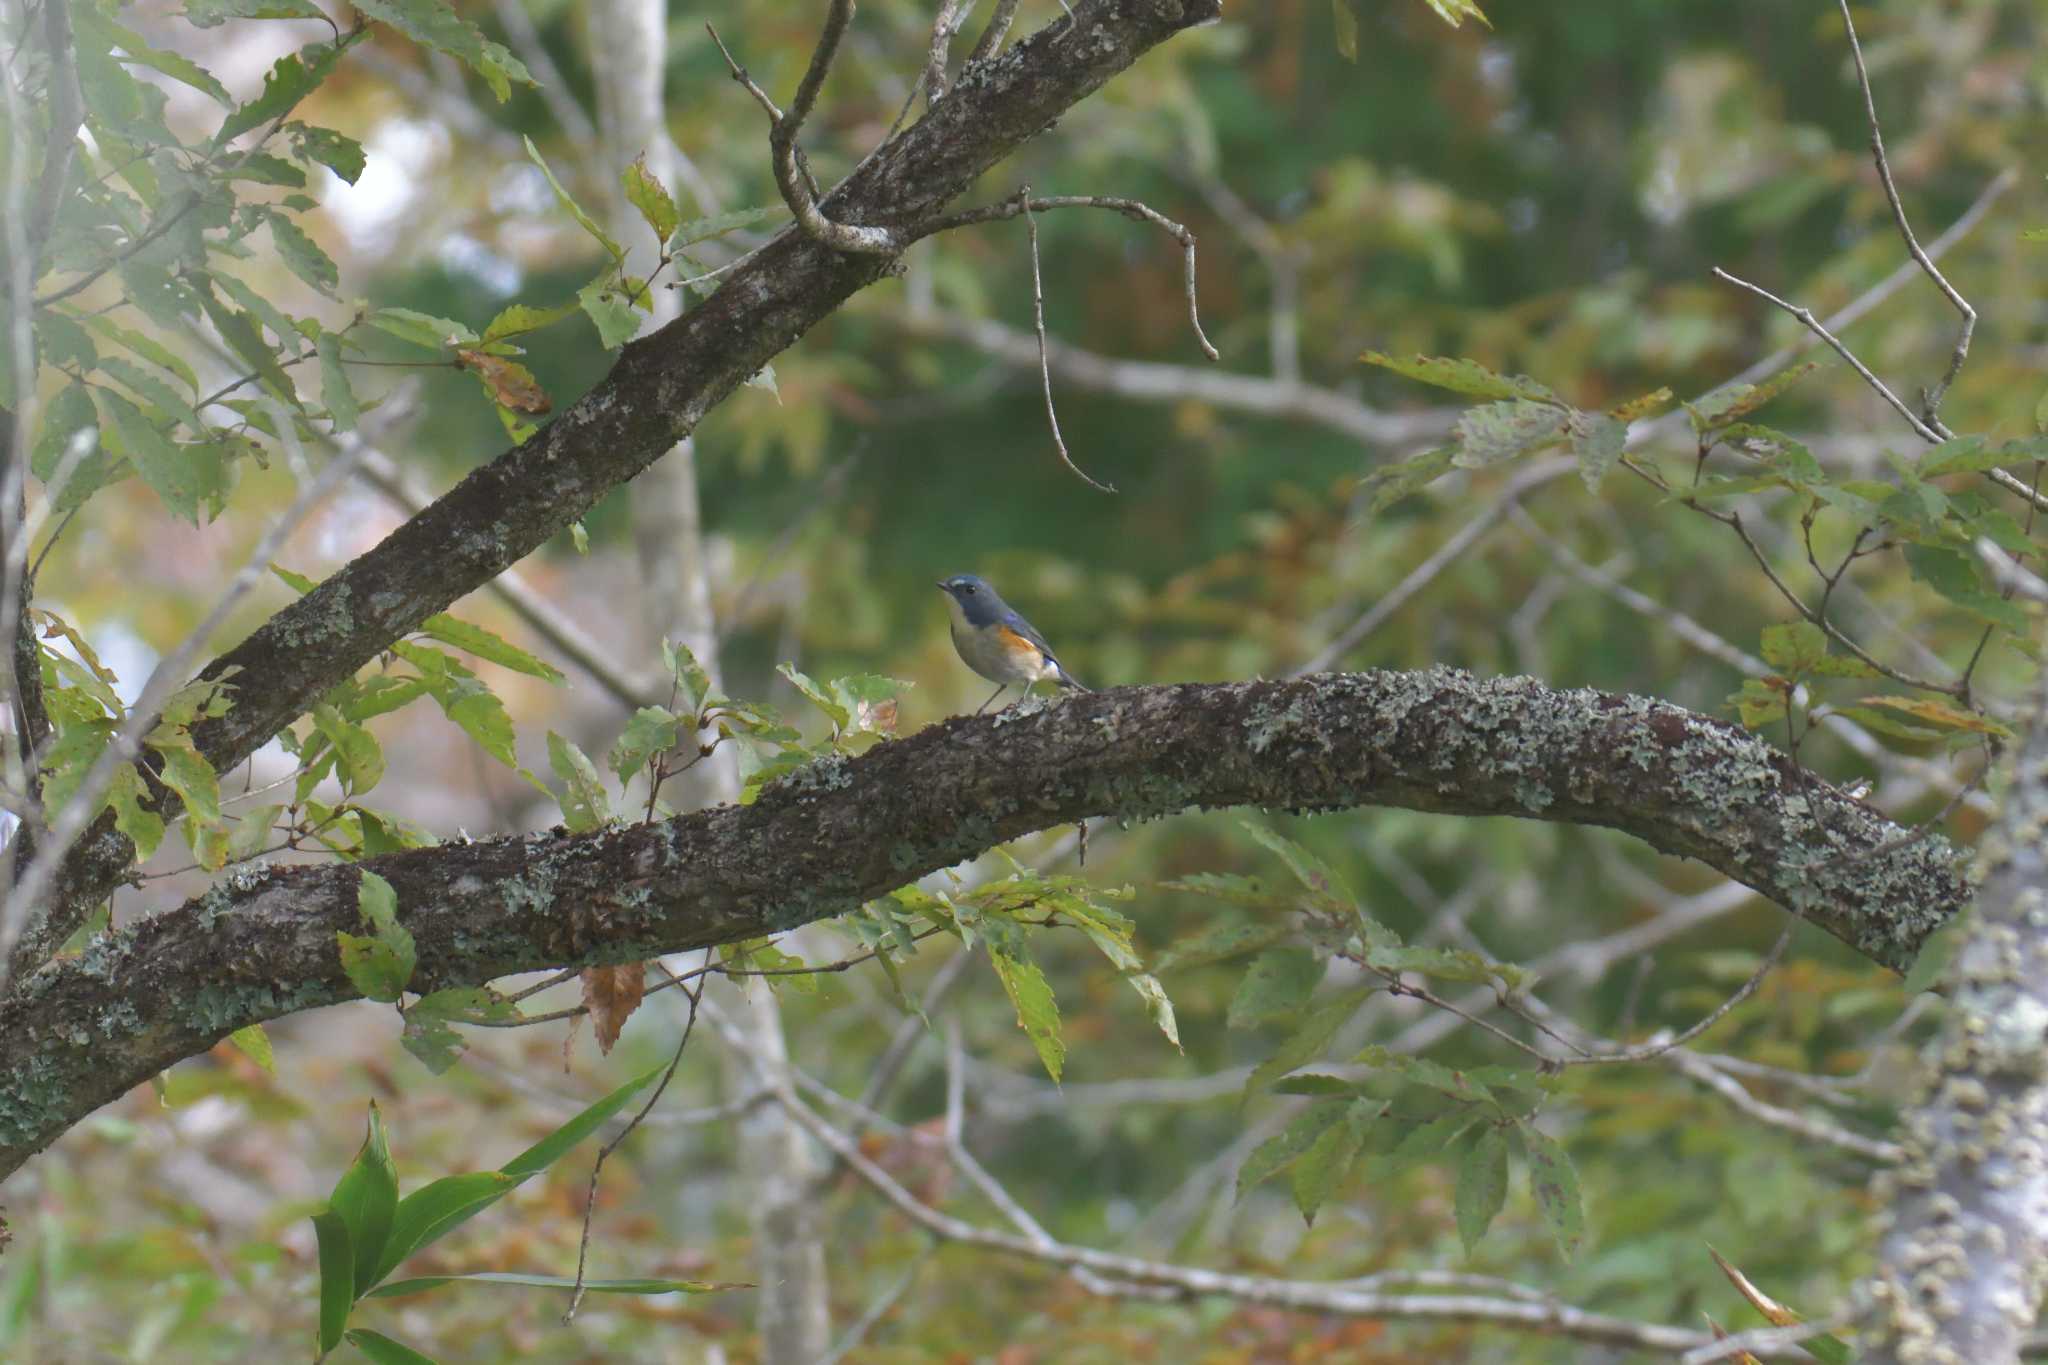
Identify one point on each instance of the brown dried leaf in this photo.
(611, 994)
(511, 384)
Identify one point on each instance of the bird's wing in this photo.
(1025, 629)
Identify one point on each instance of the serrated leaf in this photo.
(1310, 870)
(611, 994)
(336, 151)
(1794, 647)
(1329, 1159)
(1276, 985)
(1493, 432)
(337, 395)
(584, 803)
(186, 772)
(302, 255)
(1308, 1041)
(1220, 943)
(173, 472)
(718, 224)
(1468, 377)
(508, 383)
(431, 1042)
(518, 319)
(1281, 1150)
(575, 210)
(1940, 715)
(1596, 443)
(481, 715)
(617, 320)
(651, 197)
(433, 24)
(652, 730)
(132, 815)
(1482, 1187)
(1635, 409)
(817, 696)
(1038, 1014)
(422, 329)
(471, 638)
(1555, 1183)
(381, 966)
(213, 13)
(359, 759)
(252, 1042)
(1736, 401)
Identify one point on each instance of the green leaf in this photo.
(1221, 942)
(1493, 432)
(1596, 442)
(422, 329)
(648, 195)
(337, 1275)
(213, 13)
(1328, 1160)
(1276, 986)
(1281, 1150)
(302, 255)
(1736, 401)
(584, 803)
(170, 402)
(336, 151)
(607, 306)
(1310, 870)
(518, 319)
(1444, 964)
(474, 639)
(1936, 952)
(175, 473)
(817, 696)
(1347, 29)
(436, 1208)
(292, 79)
(1555, 1183)
(1038, 1013)
(422, 1283)
(1482, 1187)
(366, 1197)
(557, 1144)
(1308, 1042)
(359, 759)
(1462, 1085)
(1462, 376)
(481, 716)
(246, 341)
(575, 210)
(382, 1350)
(1794, 648)
(380, 966)
(186, 772)
(336, 394)
(652, 730)
(252, 1042)
(433, 24)
(70, 425)
(132, 815)
(1456, 12)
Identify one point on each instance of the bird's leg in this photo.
(991, 697)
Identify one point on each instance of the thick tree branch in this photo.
(655, 395)
(261, 944)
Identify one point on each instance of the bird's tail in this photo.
(1067, 679)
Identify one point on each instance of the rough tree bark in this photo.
(653, 397)
(823, 840)
(1964, 1254)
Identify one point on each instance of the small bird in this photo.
(996, 642)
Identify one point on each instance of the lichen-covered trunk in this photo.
(1964, 1254)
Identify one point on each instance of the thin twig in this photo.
(1052, 415)
(590, 1196)
(1931, 404)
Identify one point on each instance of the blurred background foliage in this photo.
(1546, 196)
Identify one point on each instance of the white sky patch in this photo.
(399, 155)
(462, 254)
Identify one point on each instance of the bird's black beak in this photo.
(941, 586)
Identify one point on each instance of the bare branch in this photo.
(991, 39)
(1931, 404)
(1052, 415)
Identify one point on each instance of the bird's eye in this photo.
(969, 590)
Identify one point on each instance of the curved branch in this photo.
(827, 838)
(662, 385)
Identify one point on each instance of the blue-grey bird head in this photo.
(977, 600)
